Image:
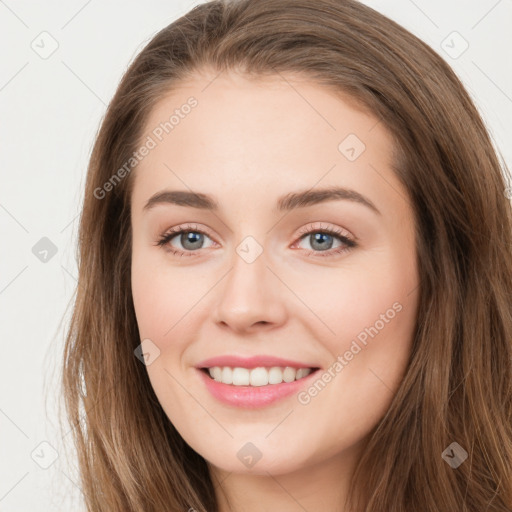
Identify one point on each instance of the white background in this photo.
(50, 110)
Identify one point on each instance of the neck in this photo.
(314, 487)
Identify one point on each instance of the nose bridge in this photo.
(249, 295)
(247, 276)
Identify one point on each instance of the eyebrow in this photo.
(291, 201)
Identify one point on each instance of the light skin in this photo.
(246, 144)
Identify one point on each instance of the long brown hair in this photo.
(458, 383)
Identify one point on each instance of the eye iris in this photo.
(194, 238)
(320, 238)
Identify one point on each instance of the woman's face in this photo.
(271, 266)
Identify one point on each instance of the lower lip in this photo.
(251, 397)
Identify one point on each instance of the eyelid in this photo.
(348, 241)
(317, 226)
(345, 237)
(176, 230)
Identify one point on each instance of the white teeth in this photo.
(241, 376)
(225, 374)
(301, 372)
(289, 374)
(275, 375)
(257, 376)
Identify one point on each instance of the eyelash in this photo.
(164, 240)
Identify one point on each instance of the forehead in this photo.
(276, 107)
(228, 131)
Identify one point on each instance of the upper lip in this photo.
(251, 362)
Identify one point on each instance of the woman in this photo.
(337, 335)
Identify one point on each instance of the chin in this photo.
(255, 459)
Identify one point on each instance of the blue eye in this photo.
(191, 239)
(322, 239)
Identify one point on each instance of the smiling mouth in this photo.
(256, 377)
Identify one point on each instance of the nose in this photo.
(251, 297)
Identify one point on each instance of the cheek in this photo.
(368, 315)
(372, 323)
(170, 303)
(352, 298)
(153, 303)
(161, 294)
(161, 312)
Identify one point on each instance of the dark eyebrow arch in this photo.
(300, 199)
(311, 197)
(182, 198)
